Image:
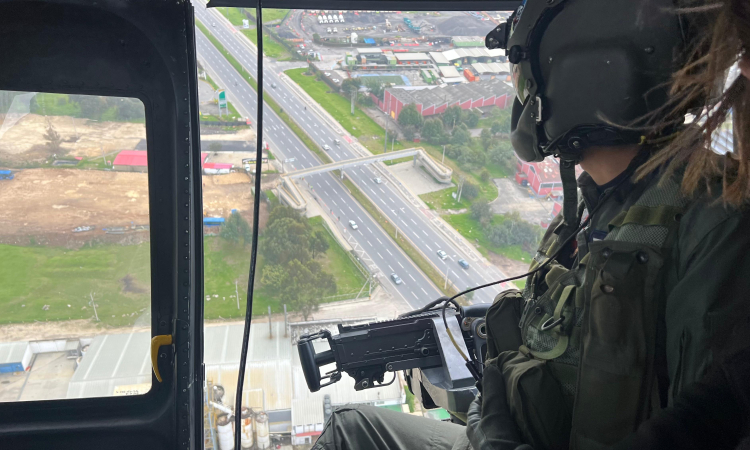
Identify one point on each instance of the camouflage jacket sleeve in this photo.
(708, 289)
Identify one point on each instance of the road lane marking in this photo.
(379, 241)
(415, 295)
(381, 256)
(400, 264)
(412, 278)
(428, 246)
(389, 252)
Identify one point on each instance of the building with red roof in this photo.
(543, 178)
(137, 161)
(210, 168)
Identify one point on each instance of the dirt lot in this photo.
(25, 142)
(40, 202)
(514, 198)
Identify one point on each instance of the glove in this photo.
(489, 425)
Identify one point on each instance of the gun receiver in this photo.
(417, 344)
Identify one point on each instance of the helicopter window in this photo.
(74, 234)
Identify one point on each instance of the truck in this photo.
(6, 175)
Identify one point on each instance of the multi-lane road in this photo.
(384, 253)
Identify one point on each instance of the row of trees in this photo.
(89, 107)
(452, 130)
(511, 231)
(290, 248)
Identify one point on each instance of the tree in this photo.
(410, 131)
(502, 119)
(305, 285)
(53, 140)
(432, 130)
(484, 174)
(461, 135)
(452, 116)
(285, 240)
(236, 230)
(130, 109)
(514, 231)
(92, 107)
(502, 154)
(480, 211)
(318, 243)
(273, 276)
(281, 212)
(470, 191)
(349, 85)
(472, 157)
(410, 116)
(486, 137)
(471, 118)
(376, 87)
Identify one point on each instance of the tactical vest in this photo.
(584, 377)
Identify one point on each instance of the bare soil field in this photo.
(25, 141)
(45, 202)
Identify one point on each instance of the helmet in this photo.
(583, 69)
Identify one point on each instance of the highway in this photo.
(416, 289)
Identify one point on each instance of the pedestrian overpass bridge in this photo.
(290, 194)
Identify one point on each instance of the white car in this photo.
(442, 254)
(378, 180)
(396, 279)
(326, 147)
(273, 85)
(328, 74)
(335, 80)
(353, 225)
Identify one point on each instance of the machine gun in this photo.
(419, 344)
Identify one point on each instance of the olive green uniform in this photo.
(616, 327)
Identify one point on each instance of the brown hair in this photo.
(721, 35)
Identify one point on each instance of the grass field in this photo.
(360, 125)
(443, 199)
(270, 15)
(32, 277)
(471, 230)
(337, 261)
(234, 15)
(119, 278)
(271, 48)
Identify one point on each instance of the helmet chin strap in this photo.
(570, 199)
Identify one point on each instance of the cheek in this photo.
(745, 66)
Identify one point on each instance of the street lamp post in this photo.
(385, 141)
(443, 160)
